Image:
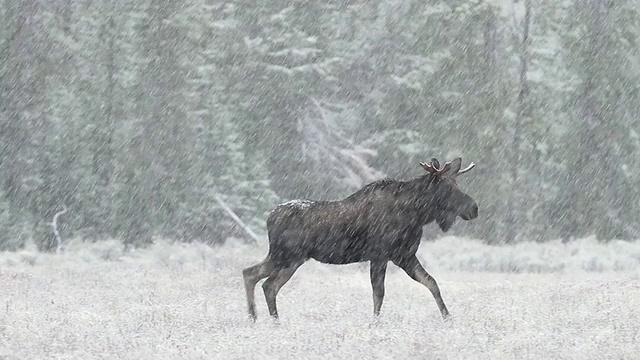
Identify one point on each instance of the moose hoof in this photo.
(375, 323)
(275, 320)
(447, 318)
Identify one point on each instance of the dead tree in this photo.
(54, 227)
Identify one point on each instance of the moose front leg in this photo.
(378, 270)
(412, 267)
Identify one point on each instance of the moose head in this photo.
(449, 201)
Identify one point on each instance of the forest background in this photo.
(137, 115)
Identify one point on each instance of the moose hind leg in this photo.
(413, 268)
(273, 285)
(252, 275)
(377, 270)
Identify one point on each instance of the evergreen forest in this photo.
(139, 120)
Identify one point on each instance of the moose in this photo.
(379, 223)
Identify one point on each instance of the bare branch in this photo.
(54, 225)
(17, 30)
(237, 219)
(328, 144)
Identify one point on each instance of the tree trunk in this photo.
(13, 131)
(515, 206)
(593, 170)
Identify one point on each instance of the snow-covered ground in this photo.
(532, 301)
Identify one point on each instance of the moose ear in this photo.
(451, 168)
(435, 163)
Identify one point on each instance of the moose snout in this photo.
(470, 213)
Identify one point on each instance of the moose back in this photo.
(379, 223)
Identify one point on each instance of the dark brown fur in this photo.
(381, 222)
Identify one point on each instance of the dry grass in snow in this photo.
(188, 302)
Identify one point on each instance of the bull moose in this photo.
(379, 223)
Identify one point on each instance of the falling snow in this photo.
(145, 144)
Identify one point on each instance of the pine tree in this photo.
(601, 48)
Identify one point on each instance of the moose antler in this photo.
(433, 167)
(471, 166)
(430, 168)
(446, 168)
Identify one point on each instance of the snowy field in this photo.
(553, 301)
